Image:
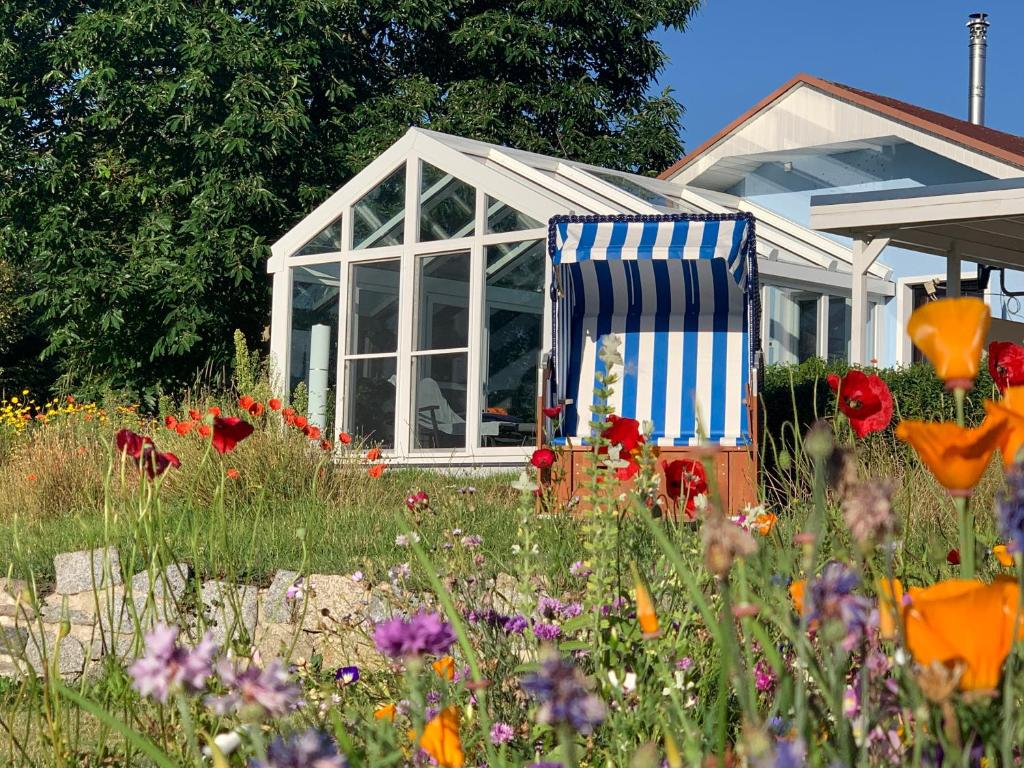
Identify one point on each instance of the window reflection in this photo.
(370, 406)
(373, 322)
(447, 206)
(442, 301)
(378, 218)
(504, 218)
(439, 397)
(314, 338)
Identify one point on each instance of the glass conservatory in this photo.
(410, 309)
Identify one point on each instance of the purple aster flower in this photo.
(501, 733)
(312, 749)
(424, 633)
(516, 625)
(255, 692)
(346, 675)
(547, 631)
(571, 610)
(831, 599)
(564, 696)
(1010, 509)
(167, 667)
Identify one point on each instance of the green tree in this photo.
(151, 149)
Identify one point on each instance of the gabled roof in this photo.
(1006, 147)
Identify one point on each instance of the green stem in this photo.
(966, 537)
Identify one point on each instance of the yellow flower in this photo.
(951, 334)
(1002, 554)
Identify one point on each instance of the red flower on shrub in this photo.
(543, 458)
(245, 402)
(344, 438)
(553, 411)
(228, 432)
(864, 399)
(685, 478)
(131, 443)
(1006, 364)
(256, 409)
(301, 422)
(274, 404)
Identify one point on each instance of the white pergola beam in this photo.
(865, 253)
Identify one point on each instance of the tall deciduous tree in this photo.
(150, 149)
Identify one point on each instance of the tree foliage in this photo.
(151, 149)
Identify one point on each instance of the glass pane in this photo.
(373, 318)
(792, 325)
(514, 313)
(839, 312)
(370, 396)
(447, 205)
(439, 395)
(328, 240)
(505, 218)
(634, 188)
(378, 218)
(313, 353)
(442, 301)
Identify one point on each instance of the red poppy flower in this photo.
(228, 432)
(274, 404)
(1006, 364)
(156, 462)
(376, 470)
(204, 430)
(553, 411)
(373, 454)
(301, 422)
(232, 473)
(344, 438)
(131, 443)
(626, 434)
(325, 445)
(195, 415)
(543, 458)
(256, 409)
(953, 557)
(288, 412)
(687, 479)
(214, 410)
(245, 402)
(184, 427)
(170, 422)
(864, 399)
(313, 432)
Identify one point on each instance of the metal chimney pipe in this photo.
(977, 26)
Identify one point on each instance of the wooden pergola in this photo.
(981, 222)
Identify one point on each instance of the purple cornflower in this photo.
(1010, 509)
(684, 663)
(571, 610)
(424, 633)
(549, 607)
(168, 667)
(787, 754)
(312, 749)
(764, 676)
(547, 631)
(831, 598)
(501, 733)
(254, 691)
(346, 675)
(294, 592)
(516, 625)
(472, 541)
(564, 696)
(579, 568)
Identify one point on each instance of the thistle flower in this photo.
(1010, 509)
(723, 543)
(501, 733)
(564, 696)
(255, 692)
(867, 510)
(424, 633)
(168, 667)
(311, 749)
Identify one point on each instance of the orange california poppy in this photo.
(376, 470)
(232, 473)
(1002, 554)
(890, 600)
(957, 456)
(373, 454)
(441, 740)
(961, 621)
(385, 712)
(796, 594)
(1011, 408)
(445, 667)
(765, 522)
(951, 333)
(645, 613)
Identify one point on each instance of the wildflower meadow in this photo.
(866, 611)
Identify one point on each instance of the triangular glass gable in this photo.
(327, 240)
(379, 216)
(502, 217)
(447, 206)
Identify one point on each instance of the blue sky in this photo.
(735, 52)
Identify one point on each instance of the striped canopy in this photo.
(680, 292)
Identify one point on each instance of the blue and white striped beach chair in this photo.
(681, 293)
